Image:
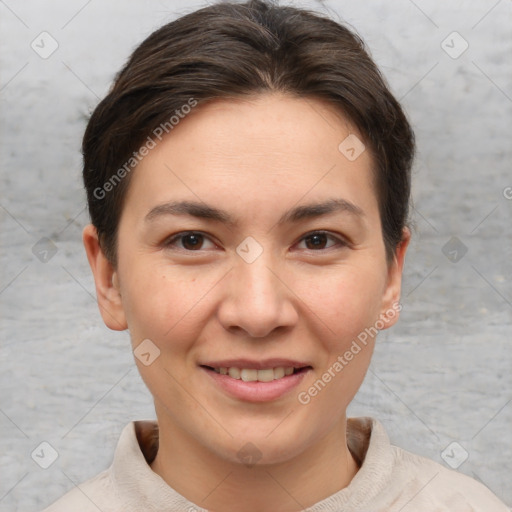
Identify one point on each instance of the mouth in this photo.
(257, 375)
(256, 381)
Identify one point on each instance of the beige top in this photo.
(389, 479)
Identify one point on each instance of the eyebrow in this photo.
(296, 214)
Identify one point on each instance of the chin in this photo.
(268, 443)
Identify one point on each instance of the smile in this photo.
(262, 384)
(253, 375)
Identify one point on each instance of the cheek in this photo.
(350, 310)
(346, 301)
(354, 308)
(167, 310)
(161, 306)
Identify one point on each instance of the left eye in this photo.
(319, 240)
(191, 241)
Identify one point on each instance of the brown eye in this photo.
(320, 240)
(190, 241)
(316, 241)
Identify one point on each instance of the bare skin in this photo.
(306, 297)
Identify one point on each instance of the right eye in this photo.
(189, 241)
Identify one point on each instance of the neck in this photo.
(215, 483)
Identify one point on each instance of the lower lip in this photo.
(257, 391)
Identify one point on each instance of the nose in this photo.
(257, 301)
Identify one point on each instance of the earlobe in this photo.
(391, 300)
(106, 281)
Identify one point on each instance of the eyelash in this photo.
(339, 241)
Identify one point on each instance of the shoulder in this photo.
(427, 485)
(103, 491)
(393, 479)
(95, 494)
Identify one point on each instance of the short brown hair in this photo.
(231, 50)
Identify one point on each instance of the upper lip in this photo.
(252, 364)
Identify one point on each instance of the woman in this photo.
(248, 180)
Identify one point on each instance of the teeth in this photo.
(265, 375)
(253, 375)
(278, 373)
(249, 375)
(234, 372)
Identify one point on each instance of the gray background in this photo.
(442, 375)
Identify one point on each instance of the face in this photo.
(249, 244)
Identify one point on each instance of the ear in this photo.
(107, 284)
(391, 300)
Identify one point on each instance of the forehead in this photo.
(259, 152)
